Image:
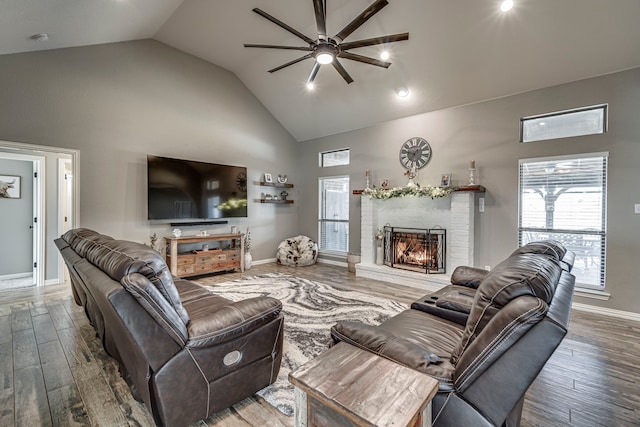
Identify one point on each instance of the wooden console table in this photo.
(200, 262)
(347, 386)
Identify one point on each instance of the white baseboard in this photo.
(627, 315)
(332, 262)
(15, 276)
(52, 282)
(263, 261)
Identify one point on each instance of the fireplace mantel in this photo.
(455, 213)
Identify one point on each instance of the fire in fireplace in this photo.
(414, 249)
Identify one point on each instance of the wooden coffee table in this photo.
(347, 386)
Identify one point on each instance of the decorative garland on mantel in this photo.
(416, 191)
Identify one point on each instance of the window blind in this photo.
(565, 199)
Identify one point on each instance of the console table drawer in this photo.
(186, 269)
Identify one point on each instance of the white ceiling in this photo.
(459, 52)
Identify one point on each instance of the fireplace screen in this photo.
(422, 250)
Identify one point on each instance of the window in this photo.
(334, 158)
(333, 218)
(564, 124)
(565, 199)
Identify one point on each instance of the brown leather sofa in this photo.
(518, 315)
(184, 351)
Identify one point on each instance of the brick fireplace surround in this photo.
(454, 213)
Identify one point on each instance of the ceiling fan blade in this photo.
(360, 19)
(271, 46)
(295, 61)
(314, 73)
(375, 40)
(283, 25)
(340, 69)
(365, 59)
(318, 7)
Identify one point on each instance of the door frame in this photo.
(65, 208)
(34, 150)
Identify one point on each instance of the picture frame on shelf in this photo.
(268, 178)
(445, 180)
(9, 187)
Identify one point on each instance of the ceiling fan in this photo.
(327, 50)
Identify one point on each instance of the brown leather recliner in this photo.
(518, 316)
(184, 351)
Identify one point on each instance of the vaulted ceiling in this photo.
(459, 52)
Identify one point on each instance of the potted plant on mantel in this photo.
(247, 250)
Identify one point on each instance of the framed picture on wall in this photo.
(268, 177)
(445, 181)
(9, 187)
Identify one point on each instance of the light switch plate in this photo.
(481, 204)
(636, 208)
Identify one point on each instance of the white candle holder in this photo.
(472, 176)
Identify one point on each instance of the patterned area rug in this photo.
(310, 309)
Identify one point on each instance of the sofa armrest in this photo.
(471, 277)
(235, 319)
(384, 343)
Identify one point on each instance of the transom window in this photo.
(564, 124)
(334, 158)
(565, 199)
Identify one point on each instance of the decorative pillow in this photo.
(297, 251)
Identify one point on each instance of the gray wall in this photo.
(117, 103)
(16, 251)
(488, 133)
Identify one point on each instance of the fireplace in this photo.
(415, 249)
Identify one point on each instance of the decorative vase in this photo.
(379, 255)
(247, 260)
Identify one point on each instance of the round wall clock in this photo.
(415, 152)
(241, 180)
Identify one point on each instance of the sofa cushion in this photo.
(521, 274)
(437, 335)
(118, 258)
(385, 343)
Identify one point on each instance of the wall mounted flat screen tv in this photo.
(189, 190)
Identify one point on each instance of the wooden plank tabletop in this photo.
(365, 387)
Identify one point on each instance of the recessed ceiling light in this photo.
(506, 5)
(41, 37)
(402, 92)
(384, 55)
(310, 86)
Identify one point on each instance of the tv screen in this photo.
(187, 190)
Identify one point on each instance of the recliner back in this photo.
(120, 258)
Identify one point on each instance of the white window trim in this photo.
(584, 290)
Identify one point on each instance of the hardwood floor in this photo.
(53, 371)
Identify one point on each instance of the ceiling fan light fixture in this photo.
(506, 5)
(402, 92)
(384, 55)
(311, 86)
(324, 58)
